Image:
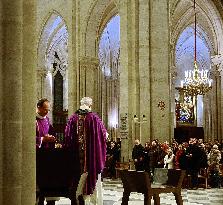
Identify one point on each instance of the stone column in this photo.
(18, 107)
(12, 21)
(220, 92)
(29, 62)
(218, 104)
(126, 116)
(12, 102)
(65, 90)
(89, 79)
(143, 71)
(213, 107)
(44, 86)
(159, 68)
(41, 75)
(221, 104)
(73, 62)
(173, 75)
(207, 118)
(217, 61)
(111, 104)
(1, 104)
(48, 85)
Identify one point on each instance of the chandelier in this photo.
(196, 81)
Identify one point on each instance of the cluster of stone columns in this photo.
(214, 102)
(18, 96)
(144, 72)
(88, 79)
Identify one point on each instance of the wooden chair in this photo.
(134, 181)
(221, 174)
(203, 178)
(173, 184)
(121, 166)
(131, 165)
(160, 176)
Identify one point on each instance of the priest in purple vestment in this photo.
(45, 134)
(86, 135)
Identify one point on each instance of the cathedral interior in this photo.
(152, 67)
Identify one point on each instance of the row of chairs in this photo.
(203, 176)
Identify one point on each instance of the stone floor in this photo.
(113, 194)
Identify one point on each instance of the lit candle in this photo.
(190, 74)
(202, 73)
(206, 74)
(210, 83)
(182, 83)
(186, 74)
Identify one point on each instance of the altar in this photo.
(57, 174)
(184, 133)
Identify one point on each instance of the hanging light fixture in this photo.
(196, 81)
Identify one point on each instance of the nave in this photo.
(113, 195)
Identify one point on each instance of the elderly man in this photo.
(86, 135)
(138, 155)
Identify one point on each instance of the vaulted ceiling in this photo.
(53, 44)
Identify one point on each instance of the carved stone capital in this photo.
(117, 3)
(220, 69)
(217, 59)
(42, 72)
(173, 72)
(89, 62)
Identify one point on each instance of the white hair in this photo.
(215, 146)
(86, 102)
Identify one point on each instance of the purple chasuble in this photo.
(95, 136)
(43, 127)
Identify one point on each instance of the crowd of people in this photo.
(191, 156)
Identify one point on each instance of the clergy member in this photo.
(45, 134)
(86, 135)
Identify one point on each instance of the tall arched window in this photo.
(52, 67)
(189, 110)
(109, 52)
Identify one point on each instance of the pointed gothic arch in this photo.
(53, 61)
(109, 61)
(210, 33)
(99, 14)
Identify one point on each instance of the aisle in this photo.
(113, 194)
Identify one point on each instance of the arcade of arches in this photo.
(129, 56)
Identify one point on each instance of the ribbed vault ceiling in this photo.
(53, 42)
